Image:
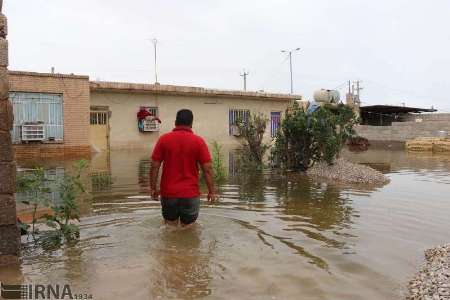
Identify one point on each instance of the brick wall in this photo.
(75, 91)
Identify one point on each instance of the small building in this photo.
(398, 124)
(215, 111)
(51, 114)
(384, 115)
(67, 115)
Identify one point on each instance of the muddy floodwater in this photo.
(271, 236)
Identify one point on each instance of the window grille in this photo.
(275, 121)
(234, 116)
(44, 109)
(99, 118)
(150, 124)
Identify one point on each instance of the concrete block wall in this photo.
(402, 131)
(9, 231)
(428, 117)
(76, 105)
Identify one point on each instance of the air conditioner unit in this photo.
(33, 132)
(151, 125)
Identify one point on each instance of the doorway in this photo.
(99, 128)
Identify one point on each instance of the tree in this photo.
(305, 138)
(252, 131)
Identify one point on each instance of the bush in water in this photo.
(252, 131)
(305, 138)
(69, 188)
(217, 162)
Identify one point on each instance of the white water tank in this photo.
(326, 96)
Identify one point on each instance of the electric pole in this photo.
(244, 75)
(290, 65)
(358, 90)
(155, 42)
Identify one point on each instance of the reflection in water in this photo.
(101, 181)
(271, 235)
(144, 173)
(316, 210)
(183, 266)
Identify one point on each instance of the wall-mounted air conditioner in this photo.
(33, 132)
(151, 125)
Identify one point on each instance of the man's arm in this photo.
(154, 171)
(209, 175)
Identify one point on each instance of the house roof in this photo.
(391, 109)
(163, 89)
(53, 75)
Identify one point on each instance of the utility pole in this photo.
(290, 65)
(244, 75)
(155, 42)
(358, 91)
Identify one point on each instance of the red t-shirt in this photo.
(180, 151)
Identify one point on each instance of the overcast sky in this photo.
(400, 49)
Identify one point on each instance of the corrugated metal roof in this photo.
(392, 109)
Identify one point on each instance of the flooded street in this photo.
(271, 236)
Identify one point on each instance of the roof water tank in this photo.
(326, 96)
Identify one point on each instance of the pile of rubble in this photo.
(433, 280)
(348, 172)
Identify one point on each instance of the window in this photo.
(38, 109)
(99, 118)
(275, 121)
(151, 124)
(234, 116)
(153, 111)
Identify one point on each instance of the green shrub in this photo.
(34, 191)
(69, 188)
(304, 139)
(217, 162)
(252, 131)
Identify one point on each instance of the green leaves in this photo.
(252, 132)
(36, 190)
(307, 138)
(217, 163)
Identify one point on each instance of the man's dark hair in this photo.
(184, 118)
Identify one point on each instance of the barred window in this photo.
(153, 110)
(275, 121)
(44, 109)
(234, 116)
(99, 118)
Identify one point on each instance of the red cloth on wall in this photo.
(142, 114)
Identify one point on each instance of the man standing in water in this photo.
(181, 152)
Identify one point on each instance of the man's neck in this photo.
(183, 127)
